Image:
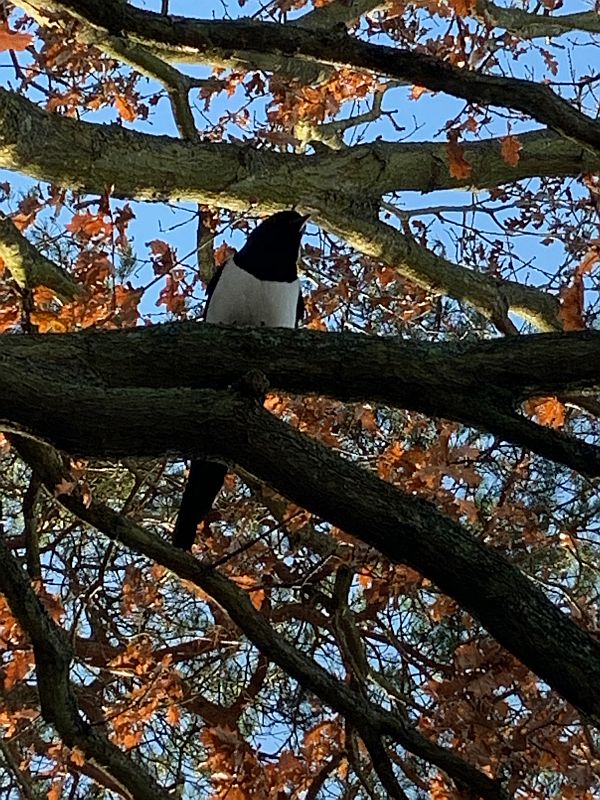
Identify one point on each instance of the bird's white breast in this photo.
(241, 299)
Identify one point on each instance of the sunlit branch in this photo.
(212, 40)
(226, 175)
(29, 268)
(531, 26)
(107, 37)
(331, 134)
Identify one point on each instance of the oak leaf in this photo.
(510, 150)
(548, 411)
(417, 91)
(458, 165)
(64, 487)
(19, 666)
(570, 312)
(125, 108)
(11, 40)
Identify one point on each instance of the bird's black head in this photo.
(271, 251)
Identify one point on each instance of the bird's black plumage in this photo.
(258, 286)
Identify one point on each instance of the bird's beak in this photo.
(303, 224)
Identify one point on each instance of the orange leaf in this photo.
(458, 164)
(222, 253)
(55, 791)
(9, 317)
(125, 108)
(257, 598)
(20, 664)
(510, 149)
(64, 487)
(548, 411)
(10, 40)
(89, 225)
(47, 322)
(587, 262)
(571, 306)
(416, 92)
(78, 757)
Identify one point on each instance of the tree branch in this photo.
(478, 384)
(232, 176)
(29, 268)
(212, 40)
(531, 26)
(53, 655)
(364, 715)
(113, 423)
(113, 38)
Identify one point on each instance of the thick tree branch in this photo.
(152, 168)
(479, 384)
(29, 267)
(404, 528)
(212, 39)
(365, 716)
(53, 655)
(338, 12)
(531, 26)
(112, 39)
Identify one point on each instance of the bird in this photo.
(257, 286)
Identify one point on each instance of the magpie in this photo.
(257, 286)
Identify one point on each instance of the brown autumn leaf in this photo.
(443, 607)
(89, 225)
(417, 91)
(570, 312)
(458, 165)
(20, 665)
(591, 258)
(64, 487)
(548, 411)
(125, 108)
(222, 253)
(510, 150)
(42, 295)
(12, 40)
(366, 417)
(55, 791)
(127, 300)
